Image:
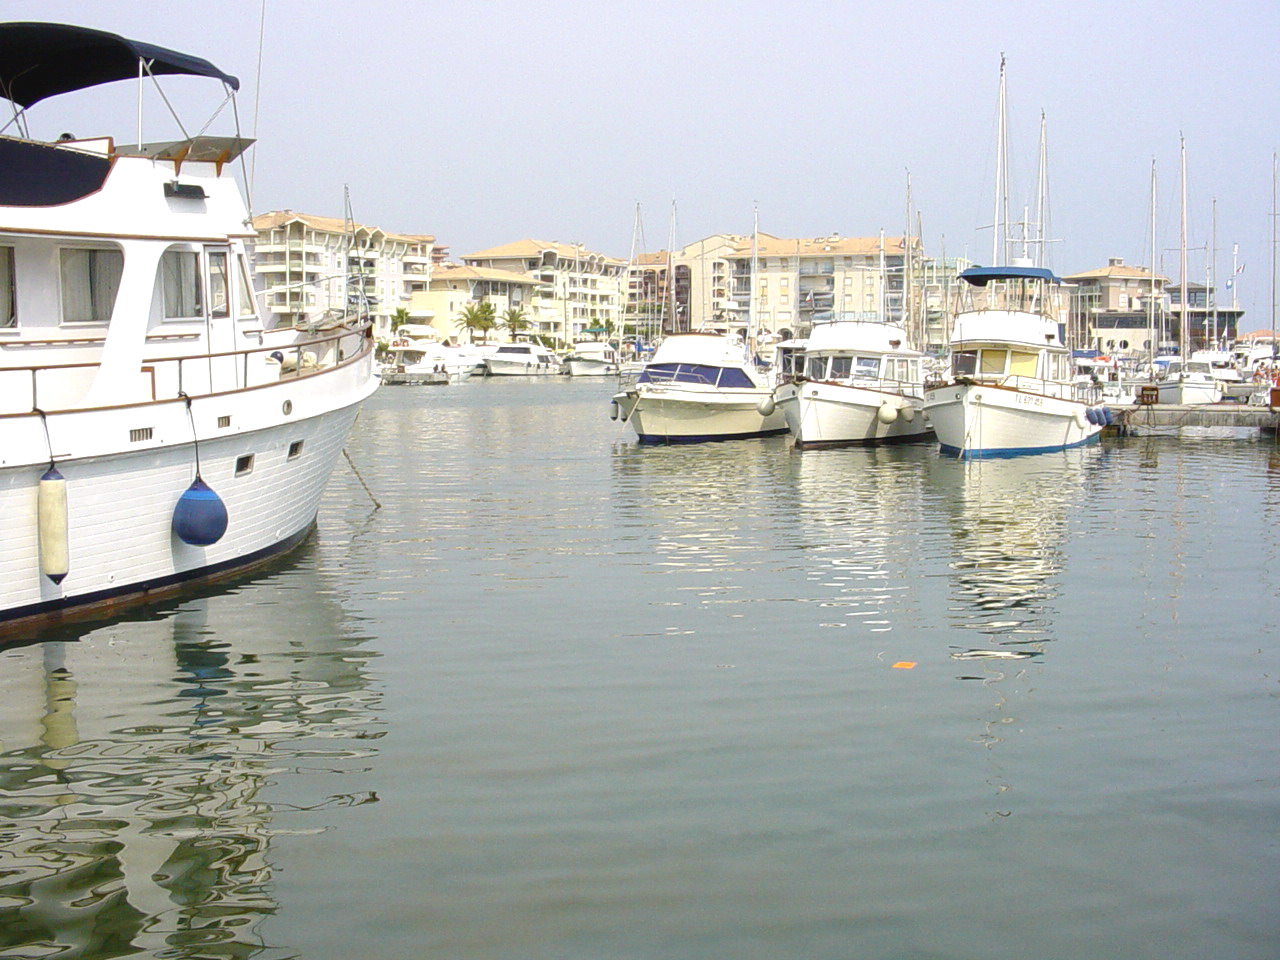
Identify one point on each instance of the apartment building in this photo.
(455, 287)
(310, 266)
(1114, 307)
(577, 289)
(798, 282)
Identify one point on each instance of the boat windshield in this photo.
(695, 373)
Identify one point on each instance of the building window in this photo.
(90, 281)
(180, 272)
(8, 299)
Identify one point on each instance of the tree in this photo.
(514, 320)
(478, 318)
(399, 318)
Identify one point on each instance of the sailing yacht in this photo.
(154, 428)
(1010, 390)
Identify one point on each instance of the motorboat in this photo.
(423, 360)
(1010, 390)
(154, 429)
(860, 384)
(522, 360)
(592, 358)
(1189, 383)
(699, 387)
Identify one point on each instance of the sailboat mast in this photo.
(1152, 341)
(1042, 196)
(1001, 215)
(908, 301)
(671, 272)
(883, 282)
(755, 266)
(1183, 324)
(1273, 254)
(1211, 270)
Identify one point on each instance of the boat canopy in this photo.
(981, 276)
(39, 60)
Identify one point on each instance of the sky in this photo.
(484, 123)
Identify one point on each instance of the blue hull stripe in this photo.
(1015, 451)
(707, 438)
(107, 602)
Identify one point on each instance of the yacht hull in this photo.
(667, 414)
(120, 504)
(979, 420)
(822, 414)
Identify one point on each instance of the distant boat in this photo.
(155, 429)
(860, 384)
(522, 360)
(592, 358)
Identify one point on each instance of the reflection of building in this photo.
(578, 289)
(140, 763)
(305, 264)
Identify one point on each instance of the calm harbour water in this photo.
(566, 697)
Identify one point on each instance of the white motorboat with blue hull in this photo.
(699, 387)
(1012, 391)
(153, 430)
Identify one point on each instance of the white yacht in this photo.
(154, 430)
(1189, 382)
(416, 356)
(593, 358)
(522, 360)
(1010, 391)
(860, 384)
(697, 387)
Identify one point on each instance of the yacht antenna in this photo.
(1152, 340)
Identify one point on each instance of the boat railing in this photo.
(61, 387)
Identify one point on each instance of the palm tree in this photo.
(478, 317)
(399, 318)
(514, 320)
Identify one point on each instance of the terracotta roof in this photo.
(535, 248)
(278, 218)
(1116, 272)
(768, 245)
(455, 271)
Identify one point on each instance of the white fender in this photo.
(1082, 419)
(907, 412)
(51, 522)
(766, 406)
(613, 409)
(887, 413)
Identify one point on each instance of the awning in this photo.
(39, 60)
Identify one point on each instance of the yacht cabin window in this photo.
(248, 305)
(8, 301)
(841, 367)
(964, 363)
(867, 367)
(90, 282)
(993, 361)
(1022, 364)
(817, 368)
(219, 285)
(180, 270)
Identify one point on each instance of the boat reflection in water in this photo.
(857, 512)
(147, 767)
(1009, 522)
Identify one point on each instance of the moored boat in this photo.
(860, 384)
(153, 430)
(522, 360)
(699, 387)
(1010, 390)
(592, 358)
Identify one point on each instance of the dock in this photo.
(427, 377)
(1136, 419)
